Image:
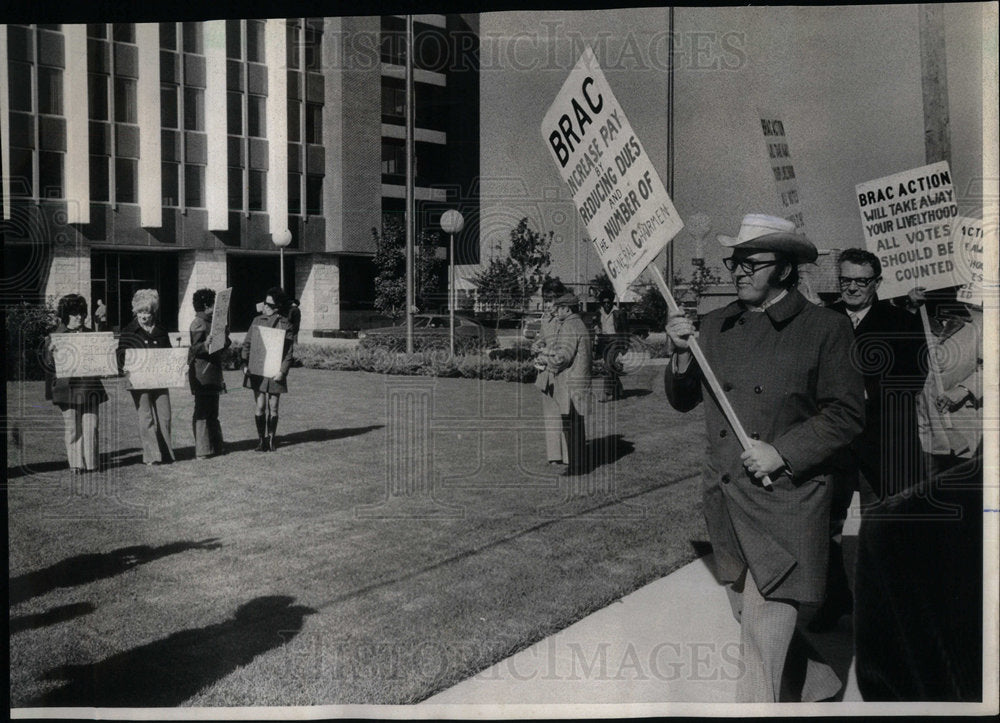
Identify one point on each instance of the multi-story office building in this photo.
(173, 155)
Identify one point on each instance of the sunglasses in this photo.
(862, 282)
(747, 266)
(269, 304)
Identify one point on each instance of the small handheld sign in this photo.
(90, 354)
(220, 319)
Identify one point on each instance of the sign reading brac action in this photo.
(614, 185)
(907, 220)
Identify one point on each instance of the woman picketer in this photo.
(267, 390)
(205, 377)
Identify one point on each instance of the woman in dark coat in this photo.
(152, 405)
(205, 377)
(266, 390)
(78, 398)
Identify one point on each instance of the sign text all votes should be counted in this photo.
(907, 220)
(156, 368)
(85, 354)
(614, 185)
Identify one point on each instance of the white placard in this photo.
(969, 240)
(614, 185)
(266, 350)
(907, 220)
(780, 158)
(156, 368)
(220, 319)
(85, 354)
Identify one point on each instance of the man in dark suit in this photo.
(890, 351)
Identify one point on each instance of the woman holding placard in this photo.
(152, 405)
(205, 377)
(264, 371)
(78, 398)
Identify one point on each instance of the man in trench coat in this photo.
(784, 364)
(569, 360)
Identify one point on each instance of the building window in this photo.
(19, 78)
(234, 113)
(50, 174)
(168, 36)
(194, 186)
(294, 121)
(21, 172)
(194, 109)
(394, 101)
(258, 190)
(292, 40)
(97, 96)
(126, 103)
(314, 123)
(99, 178)
(235, 188)
(234, 46)
(294, 193)
(255, 41)
(314, 195)
(126, 180)
(314, 46)
(393, 47)
(394, 160)
(193, 38)
(97, 30)
(124, 32)
(256, 115)
(168, 106)
(50, 91)
(171, 184)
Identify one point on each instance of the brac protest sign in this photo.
(969, 240)
(85, 354)
(267, 346)
(907, 219)
(780, 158)
(156, 368)
(615, 187)
(220, 319)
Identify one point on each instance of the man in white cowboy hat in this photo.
(569, 360)
(784, 364)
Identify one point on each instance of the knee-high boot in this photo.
(272, 427)
(261, 421)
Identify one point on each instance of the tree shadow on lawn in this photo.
(169, 671)
(50, 617)
(607, 450)
(285, 440)
(83, 569)
(108, 459)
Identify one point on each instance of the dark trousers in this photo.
(576, 439)
(153, 408)
(207, 430)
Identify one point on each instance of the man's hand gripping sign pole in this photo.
(618, 192)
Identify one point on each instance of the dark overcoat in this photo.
(265, 384)
(570, 362)
(133, 336)
(72, 391)
(546, 336)
(205, 370)
(787, 373)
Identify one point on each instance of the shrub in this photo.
(422, 342)
(519, 353)
(26, 328)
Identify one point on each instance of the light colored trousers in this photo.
(80, 435)
(153, 408)
(770, 643)
(555, 438)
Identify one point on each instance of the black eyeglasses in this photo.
(747, 266)
(269, 304)
(862, 282)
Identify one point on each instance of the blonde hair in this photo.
(146, 299)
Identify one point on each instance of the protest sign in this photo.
(156, 368)
(780, 158)
(615, 187)
(220, 319)
(85, 354)
(907, 220)
(267, 346)
(968, 236)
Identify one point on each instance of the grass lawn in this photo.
(406, 535)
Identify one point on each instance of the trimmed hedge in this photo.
(26, 326)
(422, 343)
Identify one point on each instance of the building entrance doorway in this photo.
(251, 276)
(116, 276)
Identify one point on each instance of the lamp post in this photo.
(281, 240)
(452, 222)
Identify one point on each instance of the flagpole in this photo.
(409, 185)
(670, 136)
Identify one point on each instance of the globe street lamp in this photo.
(281, 240)
(452, 223)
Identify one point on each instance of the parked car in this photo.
(433, 330)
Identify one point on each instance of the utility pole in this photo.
(410, 220)
(934, 81)
(669, 266)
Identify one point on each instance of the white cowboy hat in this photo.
(770, 233)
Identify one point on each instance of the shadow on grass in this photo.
(83, 569)
(50, 617)
(287, 440)
(607, 450)
(169, 671)
(110, 459)
(628, 393)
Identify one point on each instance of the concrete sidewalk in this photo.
(672, 641)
